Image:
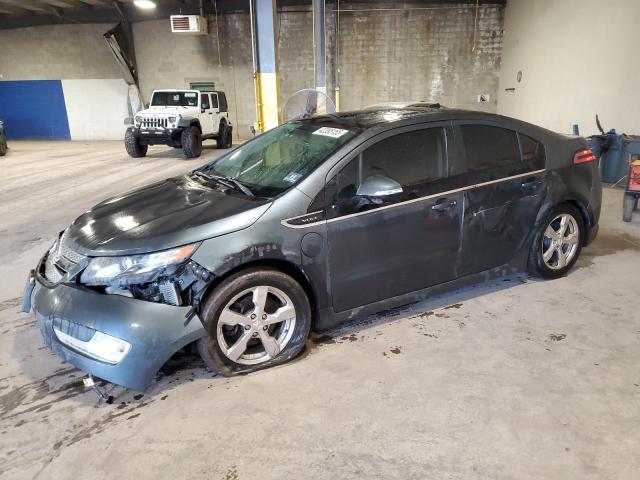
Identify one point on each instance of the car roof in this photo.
(382, 116)
(379, 118)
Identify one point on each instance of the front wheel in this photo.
(557, 243)
(629, 205)
(191, 142)
(133, 146)
(254, 319)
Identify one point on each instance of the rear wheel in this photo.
(629, 204)
(3, 147)
(224, 136)
(254, 319)
(133, 146)
(557, 243)
(191, 142)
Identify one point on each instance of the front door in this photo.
(402, 235)
(505, 185)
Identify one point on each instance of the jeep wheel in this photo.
(133, 146)
(191, 142)
(224, 136)
(3, 147)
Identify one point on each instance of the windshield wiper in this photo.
(226, 181)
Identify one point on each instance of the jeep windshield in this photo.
(174, 99)
(278, 159)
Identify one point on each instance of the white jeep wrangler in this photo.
(181, 119)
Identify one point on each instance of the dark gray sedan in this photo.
(306, 226)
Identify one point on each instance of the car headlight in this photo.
(134, 269)
(172, 119)
(138, 120)
(101, 346)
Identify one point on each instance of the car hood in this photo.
(166, 214)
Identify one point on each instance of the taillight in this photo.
(584, 156)
(634, 176)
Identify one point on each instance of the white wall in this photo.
(96, 108)
(578, 58)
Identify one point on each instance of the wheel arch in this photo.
(185, 122)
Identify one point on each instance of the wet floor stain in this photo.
(11, 303)
(557, 337)
(232, 473)
(455, 305)
(607, 243)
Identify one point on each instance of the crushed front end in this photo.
(118, 318)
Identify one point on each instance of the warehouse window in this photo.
(490, 147)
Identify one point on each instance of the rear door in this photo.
(399, 243)
(504, 184)
(207, 115)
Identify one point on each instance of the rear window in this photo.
(489, 147)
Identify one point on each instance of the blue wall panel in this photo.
(34, 110)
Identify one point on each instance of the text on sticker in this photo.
(330, 132)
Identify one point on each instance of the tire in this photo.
(224, 136)
(3, 147)
(628, 206)
(545, 257)
(239, 348)
(133, 146)
(191, 142)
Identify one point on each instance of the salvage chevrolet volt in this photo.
(308, 225)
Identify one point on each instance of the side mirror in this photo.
(378, 186)
(202, 110)
(146, 105)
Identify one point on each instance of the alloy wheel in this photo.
(560, 241)
(256, 325)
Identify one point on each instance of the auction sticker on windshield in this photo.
(330, 132)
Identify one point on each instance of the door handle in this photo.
(210, 113)
(443, 204)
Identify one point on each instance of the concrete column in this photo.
(319, 54)
(267, 89)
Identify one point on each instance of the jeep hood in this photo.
(166, 214)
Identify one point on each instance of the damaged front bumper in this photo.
(154, 331)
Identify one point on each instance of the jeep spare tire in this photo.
(133, 146)
(191, 142)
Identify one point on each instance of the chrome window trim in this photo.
(421, 199)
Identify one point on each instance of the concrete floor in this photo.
(514, 379)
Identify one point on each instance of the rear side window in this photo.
(214, 100)
(223, 101)
(532, 152)
(489, 147)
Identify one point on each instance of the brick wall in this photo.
(387, 52)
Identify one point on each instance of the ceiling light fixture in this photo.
(144, 4)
